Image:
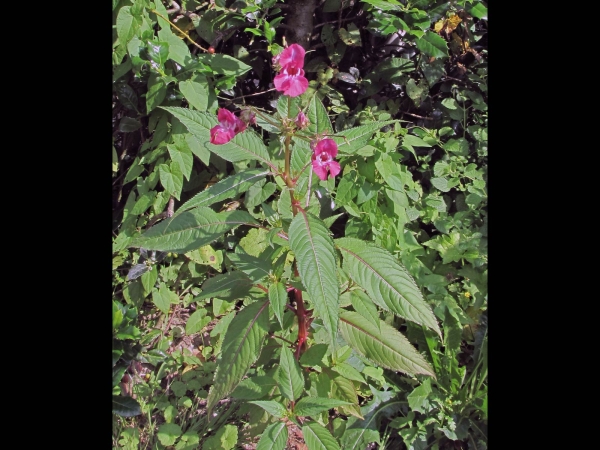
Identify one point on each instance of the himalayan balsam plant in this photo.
(300, 286)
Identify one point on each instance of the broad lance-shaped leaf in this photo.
(241, 348)
(278, 298)
(386, 281)
(190, 230)
(343, 388)
(318, 117)
(310, 406)
(353, 139)
(318, 437)
(289, 379)
(224, 189)
(385, 345)
(244, 146)
(274, 437)
(274, 408)
(315, 257)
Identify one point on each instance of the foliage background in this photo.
(420, 192)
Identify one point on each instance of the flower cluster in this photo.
(229, 125)
(291, 80)
(322, 159)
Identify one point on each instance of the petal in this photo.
(281, 81)
(226, 117)
(240, 126)
(220, 135)
(293, 55)
(320, 170)
(297, 86)
(327, 145)
(334, 168)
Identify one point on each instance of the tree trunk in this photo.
(300, 22)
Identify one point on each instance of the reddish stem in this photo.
(302, 331)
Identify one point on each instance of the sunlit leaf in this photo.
(241, 347)
(386, 281)
(310, 406)
(318, 437)
(315, 255)
(290, 379)
(274, 437)
(385, 345)
(190, 230)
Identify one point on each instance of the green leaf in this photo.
(190, 230)
(149, 279)
(441, 184)
(158, 52)
(125, 406)
(156, 92)
(347, 371)
(127, 25)
(433, 45)
(278, 298)
(255, 268)
(230, 187)
(224, 65)
(244, 146)
(184, 158)
(344, 389)
(128, 124)
(240, 349)
(385, 345)
(168, 433)
(317, 115)
(272, 407)
(224, 439)
(254, 388)
(417, 399)
(195, 94)
(228, 286)
(315, 255)
(258, 194)
(196, 321)
(478, 10)
(357, 137)
(386, 281)
(311, 406)
(178, 50)
(314, 355)
(163, 297)
(363, 305)
(171, 178)
(414, 141)
(274, 437)
(317, 437)
(289, 379)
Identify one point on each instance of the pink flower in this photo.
(293, 55)
(291, 80)
(229, 125)
(322, 159)
(301, 121)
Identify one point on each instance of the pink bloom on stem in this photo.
(322, 159)
(229, 125)
(293, 55)
(291, 80)
(301, 121)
